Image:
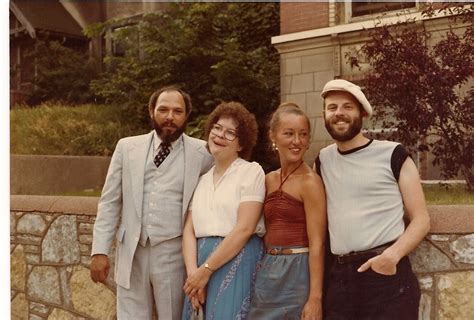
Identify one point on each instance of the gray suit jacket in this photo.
(122, 197)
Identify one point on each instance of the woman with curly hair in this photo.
(221, 238)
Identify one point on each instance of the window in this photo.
(356, 10)
(361, 8)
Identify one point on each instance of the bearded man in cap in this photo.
(371, 185)
(149, 184)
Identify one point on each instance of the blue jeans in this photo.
(370, 295)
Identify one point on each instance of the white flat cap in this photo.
(355, 90)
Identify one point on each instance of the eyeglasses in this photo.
(229, 134)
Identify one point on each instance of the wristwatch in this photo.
(206, 265)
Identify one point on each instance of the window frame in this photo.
(389, 13)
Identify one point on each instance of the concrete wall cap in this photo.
(458, 218)
(54, 204)
(444, 218)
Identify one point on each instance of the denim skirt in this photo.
(281, 288)
(230, 288)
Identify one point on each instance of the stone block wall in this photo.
(303, 75)
(444, 264)
(50, 243)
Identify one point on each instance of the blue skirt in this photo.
(281, 288)
(230, 288)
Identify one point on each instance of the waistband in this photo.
(279, 251)
(357, 256)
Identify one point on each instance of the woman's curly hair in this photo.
(247, 128)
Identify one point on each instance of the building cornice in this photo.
(353, 27)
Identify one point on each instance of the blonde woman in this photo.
(289, 283)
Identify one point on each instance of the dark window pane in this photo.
(361, 8)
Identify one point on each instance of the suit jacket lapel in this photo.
(137, 161)
(192, 168)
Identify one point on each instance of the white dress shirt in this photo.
(214, 208)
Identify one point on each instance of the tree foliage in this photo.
(215, 51)
(423, 86)
(62, 73)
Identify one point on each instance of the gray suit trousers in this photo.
(157, 278)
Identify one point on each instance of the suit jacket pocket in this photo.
(120, 234)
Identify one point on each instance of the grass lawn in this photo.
(434, 194)
(447, 194)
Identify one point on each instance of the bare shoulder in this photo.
(310, 178)
(312, 191)
(311, 185)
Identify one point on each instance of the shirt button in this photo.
(136, 238)
(149, 226)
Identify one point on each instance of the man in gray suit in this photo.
(149, 183)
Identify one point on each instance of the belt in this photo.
(358, 256)
(278, 251)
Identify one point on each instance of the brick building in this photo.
(314, 39)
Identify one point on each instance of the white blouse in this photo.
(215, 208)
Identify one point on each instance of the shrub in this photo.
(62, 74)
(68, 130)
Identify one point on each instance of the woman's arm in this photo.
(248, 215)
(189, 245)
(314, 199)
(190, 257)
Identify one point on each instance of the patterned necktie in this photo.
(162, 153)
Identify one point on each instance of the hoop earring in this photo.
(274, 146)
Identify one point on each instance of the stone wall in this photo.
(50, 247)
(50, 244)
(444, 264)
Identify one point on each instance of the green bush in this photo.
(68, 130)
(62, 74)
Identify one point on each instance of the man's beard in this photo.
(166, 136)
(354, 128)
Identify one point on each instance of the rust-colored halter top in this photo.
(285, 219)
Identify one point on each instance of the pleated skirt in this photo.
(281, 288)
(230, 288)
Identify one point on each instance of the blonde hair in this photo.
(286, 107)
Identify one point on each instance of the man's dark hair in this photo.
(156, 94)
